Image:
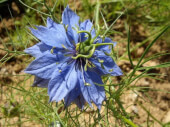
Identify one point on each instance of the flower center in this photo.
(87, 48)
(77, 46)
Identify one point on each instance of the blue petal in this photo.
(53, 37)
(87, 26)
(38, 49)
(72, 95)
(62, 82)
(51, 24)
(93, 92)
(80, 101)
(110, 66)
(72, 20)
(44, 65)
(105, 48)
(43, 83)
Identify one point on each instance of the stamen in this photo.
(107, 54)
(85, 83)
(91, 65)
(102, 66)
(101, 61)
(103, 38)
(60, 71)
(64, 46)
(66, 27)
(52, 50)
(85, 67)
(110, 70)
(76, 28)
(86, 35)
(91, 29)
(68, 54)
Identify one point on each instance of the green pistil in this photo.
(87, 42)
(86, 56)
(86, 49)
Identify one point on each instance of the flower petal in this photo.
(72, 20)
(109, 65)
(62, 82)
(38, 49)
(44, 65)
(93, 92)
(87, 26)
(51, 24)
(72, 95)
(53, 37)
(80, 101)
(43, 83)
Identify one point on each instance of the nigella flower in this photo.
(70, 60)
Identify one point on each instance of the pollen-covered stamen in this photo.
(86, 64)
(64, 50)
(82, 71)
(66, 27)
(103, 38)
(60, 67)
(91, 29)
(76, 28)
(111, 70)
(52, 50)
(101, 62)
(64, 46)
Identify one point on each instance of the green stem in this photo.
(146, 50)
(33, 8)
(17, 52)
(128, 49)
(150, 114)
(51, 12)
(129, 122)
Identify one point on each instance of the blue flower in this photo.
(70, 60)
